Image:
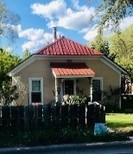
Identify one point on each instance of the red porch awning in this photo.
(71, 70)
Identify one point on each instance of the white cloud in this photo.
(49, 10)
(59, 14)
(36, 38)
(16, 28)
(76, 20)
(126, 22)
(32, 34)
(91, 33)
(76, 4)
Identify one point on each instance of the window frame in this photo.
(30, 89)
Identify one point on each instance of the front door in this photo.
(69, 87)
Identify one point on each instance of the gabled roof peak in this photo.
(65, 46)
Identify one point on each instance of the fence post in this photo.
(56, 117)
(73, 116)
(91, 117)
(64, 116)
(6, 117)
(26, 118)
(0, 117)
(21, 117)
(47, 116)
(81, 115)
(40, 115)
(102, 114)
(14, 117)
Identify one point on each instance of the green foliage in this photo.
(102, 45)
(111, 99)
(41, 137)
(73, 99)
(7, 91)
(26, 54)
(114, 11)
(121, 44)
(118, 48)
(7, 60)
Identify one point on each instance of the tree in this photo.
(122, 46)
(114, 11)
(7, 60)
(102, 45)
(26, 54)
(7, 18)
(8, 92)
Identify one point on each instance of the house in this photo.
(66, 67)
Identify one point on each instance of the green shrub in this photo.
(41, 137)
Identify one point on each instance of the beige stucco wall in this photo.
(84, 86)
(110, 77)
(41, 68)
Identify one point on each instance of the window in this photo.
(36, 90)
(97, 89)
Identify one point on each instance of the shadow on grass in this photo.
(114, 125)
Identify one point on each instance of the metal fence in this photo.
(51, 117)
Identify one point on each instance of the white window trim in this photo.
(30, 88)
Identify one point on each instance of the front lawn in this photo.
(120, 122)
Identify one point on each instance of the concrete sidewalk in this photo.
(63, 147)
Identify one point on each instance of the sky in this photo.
(71, 17)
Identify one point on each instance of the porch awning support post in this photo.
(91, 90)
(56, 90)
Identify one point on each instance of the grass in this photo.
(120, 122)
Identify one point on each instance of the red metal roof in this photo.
(71, 69)
(65, 46)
